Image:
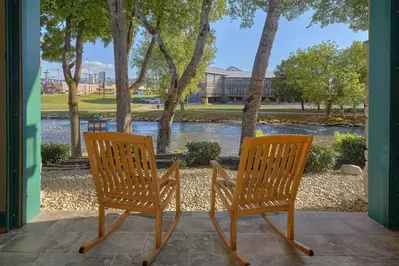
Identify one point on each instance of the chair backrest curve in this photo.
(271, 168)
(123, 166)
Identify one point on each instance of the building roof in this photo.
(230, 73)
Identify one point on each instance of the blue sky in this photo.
(235, 46)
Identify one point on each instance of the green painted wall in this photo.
(383, 113)
(30, 109)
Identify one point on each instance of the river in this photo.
(228, 135)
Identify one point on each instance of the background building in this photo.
(232, 82)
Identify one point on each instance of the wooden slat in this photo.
(261, 174)
(118, 166)
(126, 169)
(112, 166)
(281, 171)
(267, 179)
(106, 166)
(100, 168)
(248, 171)
(255, 170)
(288, 170)
(138, 168)
(275, 171)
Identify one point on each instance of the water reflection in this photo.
(228, 135)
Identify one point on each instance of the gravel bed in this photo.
(333, 191)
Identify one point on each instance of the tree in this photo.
(325, 74)
(185, 17)
(351, 12)
(123, 27)
(180, 45)
(68, 25)
(281, 89)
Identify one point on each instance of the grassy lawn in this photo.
(86, 102)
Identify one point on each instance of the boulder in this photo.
(350, 169)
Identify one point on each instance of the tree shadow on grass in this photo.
(100, 101)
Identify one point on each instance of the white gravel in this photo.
(74, 190)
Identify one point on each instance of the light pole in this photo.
(89, 75)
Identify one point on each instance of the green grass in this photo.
(86, 102)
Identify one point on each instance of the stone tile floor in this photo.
(54, 238)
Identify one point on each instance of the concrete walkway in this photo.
(54, 238)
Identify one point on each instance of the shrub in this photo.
(182, 164)
(321, 158)
(266, 100)
(204, 100)
(201, 152)
(54, 153)
(223, 98)
(350, 147)
(259, 133)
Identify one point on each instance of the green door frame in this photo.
(13, 113)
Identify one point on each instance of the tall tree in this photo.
(67, 26)
(256, 85)
(123, 27)
(184, 18)
(283, 91)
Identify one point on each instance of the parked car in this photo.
(138, 100)
(153, 101)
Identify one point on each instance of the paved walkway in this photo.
(54, 238)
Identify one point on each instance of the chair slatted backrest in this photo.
(123, 166)
(271, 168)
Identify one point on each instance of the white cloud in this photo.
(96, 66)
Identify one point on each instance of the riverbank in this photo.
(332, 191)
(219, 117)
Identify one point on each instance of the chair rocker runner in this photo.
(125, 176)
(268, 177)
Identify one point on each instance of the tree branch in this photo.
(131, 33)
(155, 33)
(202, 37)
(72, 65)
(144, 67)
(79, 54)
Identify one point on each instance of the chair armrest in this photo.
(167, 175)
(222, 172)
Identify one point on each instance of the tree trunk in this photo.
(303, 105)
(165, 124)
(318, 107)
(182, 106)
(255, 91)
(117, 14)
(73, 82)
(328, 108)
(76, 148)
(342, 111)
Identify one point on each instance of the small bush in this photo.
(182, 164)
(201, 152)
(223, 98)
(54, 153)
(204, 100)
(321, 158)
(266, 100)
(259, 133)
(350, 147)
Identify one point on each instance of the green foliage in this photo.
(201, 152)
(88, 16)
(182, 164)
(350, 147)
(223, 98)
(351, 12)
(266, 100)
(280, 88)
(321, 158)
(259, 133)
(204, 100)
(55, 153)
(326, 74)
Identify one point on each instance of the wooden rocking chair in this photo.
(269, 174)
(125, 175)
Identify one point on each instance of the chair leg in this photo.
(225, 242)
(233, 231)
(87, 246)
(289, 237)
(101, 220)
(159, 241)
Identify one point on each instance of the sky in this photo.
(235, 46)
